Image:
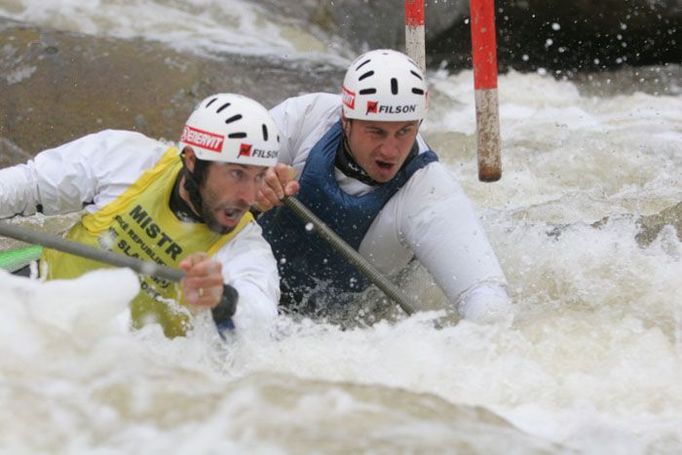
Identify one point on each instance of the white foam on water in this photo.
(617, 154)
(207, 27)
(592, 363)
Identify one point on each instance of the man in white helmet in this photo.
(362, 168)
(185, 206)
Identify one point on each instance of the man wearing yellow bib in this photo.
(185, 206)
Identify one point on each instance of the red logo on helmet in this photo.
(372, 107)
(244, 150)
(204, 139)
(348, 97)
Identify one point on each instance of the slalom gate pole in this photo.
(484, 53)
(67, 246)
(353, 256)
(415, 45)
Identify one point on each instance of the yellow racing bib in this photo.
(140, 224)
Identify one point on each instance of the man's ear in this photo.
(189, 157)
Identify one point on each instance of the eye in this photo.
(405, 131)
(236, 173)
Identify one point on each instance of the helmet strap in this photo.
(193, 180)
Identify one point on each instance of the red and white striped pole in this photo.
(414, 32)
(484, 53)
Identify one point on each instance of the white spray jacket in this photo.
(429, 218)
(94, 170)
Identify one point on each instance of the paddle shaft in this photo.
(393, 292)
(107, 257)
(170, 274)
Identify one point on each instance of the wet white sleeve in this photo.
(485, 303)
(18, 192)
(302, 121)
(441, 227)
(91, 170)
(249, 266)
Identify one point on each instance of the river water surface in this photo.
(591, 364)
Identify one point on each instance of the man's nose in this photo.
(390, 147)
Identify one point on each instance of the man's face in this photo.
(380, 148)
(228, 191)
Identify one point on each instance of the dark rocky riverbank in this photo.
(572, 37)
(558, 35)
(57, 86)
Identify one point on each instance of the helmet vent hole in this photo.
(265, 132)
(394, 86)
(211, 102)
(367, 91)
(366, 75)
(234, 118)
(417, 75)
(223, 107)
(236, 135)
(417, 91)
(362, 64)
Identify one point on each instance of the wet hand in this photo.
(279, 182)
(202, 284)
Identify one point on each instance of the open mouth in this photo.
(233, 214)
(384, 164)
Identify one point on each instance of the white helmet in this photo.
(232, 129)
(384, 85)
